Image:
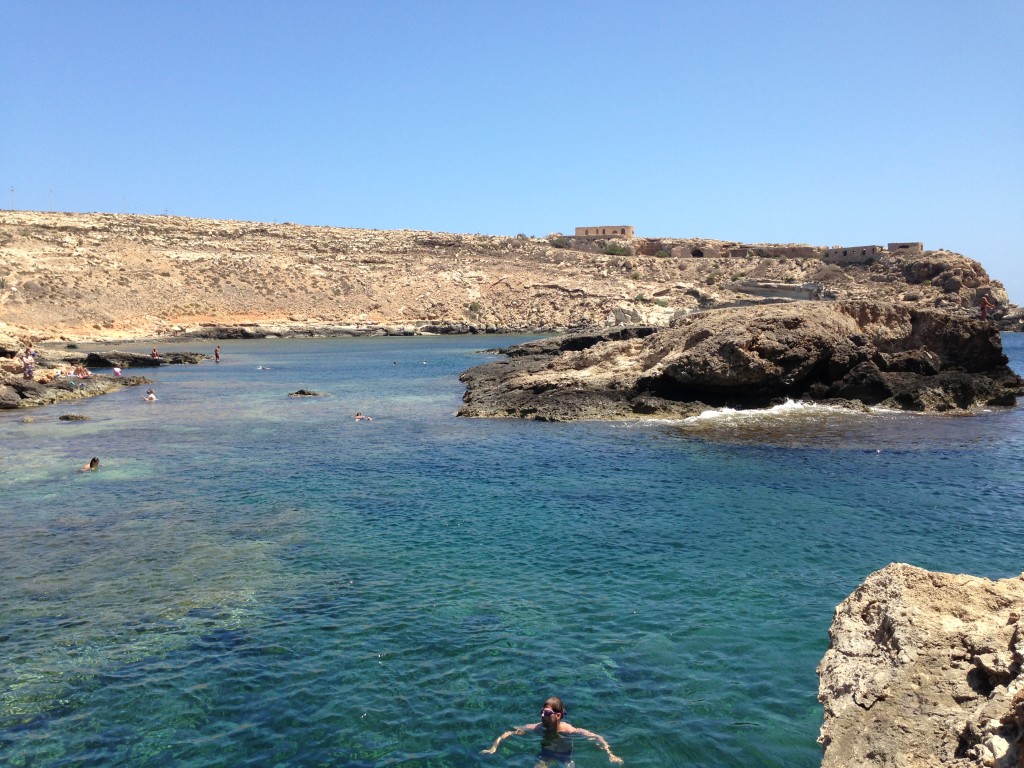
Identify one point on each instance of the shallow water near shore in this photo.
(253, 579)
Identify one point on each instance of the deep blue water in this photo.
(257, 580)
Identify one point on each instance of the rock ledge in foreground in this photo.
(924, 670)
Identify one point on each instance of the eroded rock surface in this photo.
(868, 352)
(924, 670)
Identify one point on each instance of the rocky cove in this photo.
(923, 667)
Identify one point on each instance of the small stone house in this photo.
(619, 230)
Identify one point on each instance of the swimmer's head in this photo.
(553, 709)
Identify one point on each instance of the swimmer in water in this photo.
(92, 466)
(360, 417)
(150, 396)
(556, 737)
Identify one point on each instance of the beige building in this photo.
(618, 230)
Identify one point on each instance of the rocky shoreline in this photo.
(103, 277)
(54, 379)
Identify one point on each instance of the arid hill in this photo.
(119, 276)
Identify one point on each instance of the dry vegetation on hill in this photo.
(113, 276)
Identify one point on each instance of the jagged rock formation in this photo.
(119, 276)
(865, 352)
(924, 670)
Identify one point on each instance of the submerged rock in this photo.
(305, 393)
(924, 669)
(747, 357)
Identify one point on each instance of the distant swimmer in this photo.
(262, 367)
(150, 396)
(556, 737)
(92, 466)
(360, 417)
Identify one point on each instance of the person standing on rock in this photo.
(985, 306)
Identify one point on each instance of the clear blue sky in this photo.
(849, 123)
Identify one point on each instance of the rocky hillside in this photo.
(111, 276)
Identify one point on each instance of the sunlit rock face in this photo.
(924, 670)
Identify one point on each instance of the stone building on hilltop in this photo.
(619, 230)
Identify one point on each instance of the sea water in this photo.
(253, 579)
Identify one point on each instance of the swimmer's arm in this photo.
(519, 730)
(601, 742)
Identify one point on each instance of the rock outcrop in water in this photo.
(854, 352)
(924, 670)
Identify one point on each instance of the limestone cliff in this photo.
(111, 276)
(924, 670)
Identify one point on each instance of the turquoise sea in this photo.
(258, 580)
